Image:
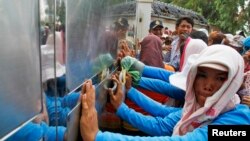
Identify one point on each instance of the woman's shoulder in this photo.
(239, 115)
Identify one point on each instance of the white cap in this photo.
(179, 79)
(214, 66)
(235, 41)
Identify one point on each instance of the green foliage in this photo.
(113, 2)
(60, 12)
(224, 14)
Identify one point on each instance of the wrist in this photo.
(117, 105)
(127, 89)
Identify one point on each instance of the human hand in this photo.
(245, 100)
(124, 49)
(167, 48)
(117, 98)
(129, 81)
(88, 120)
(43, 116)
(132, 53)
(184, 36)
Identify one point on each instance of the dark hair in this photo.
(188, 19)
(199, 35)
(218, 38)
(242, 34)
(168, 40)
(121, 23)
(62, 28)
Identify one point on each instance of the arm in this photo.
(70, 100)
(199, 134)
(132, 65)
(162, 87)
(149, 104)
(156, 126)
(157, 73)
(108, 136)
(57, 113)
(55, 133)
(89, 123)
(33, 131)
(238, 116)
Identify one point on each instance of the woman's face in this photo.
(207, 82)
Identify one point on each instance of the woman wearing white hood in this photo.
(214, 78)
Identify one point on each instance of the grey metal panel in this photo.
(88, 47)
(20, 86)
(91, 51)
(73, 118)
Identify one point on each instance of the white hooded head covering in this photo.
(222, 100)
(47, 57)
(194, 47)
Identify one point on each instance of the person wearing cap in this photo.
(151, 46)
(156, 28)
(109, 39)
(121, 27)
(111, 42)
(212, 82)
(236, 42)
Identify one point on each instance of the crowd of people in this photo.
(205, 74)
(210, 98)
(179, 83)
